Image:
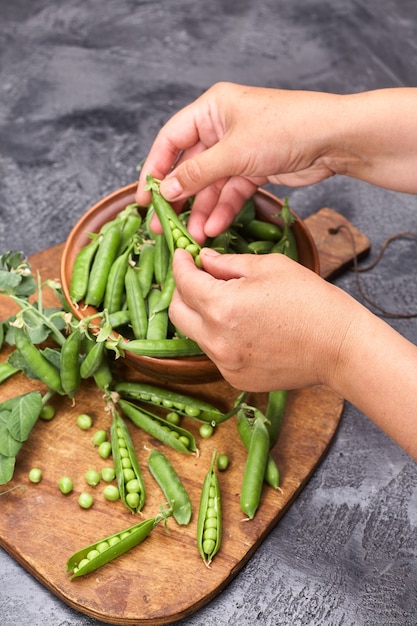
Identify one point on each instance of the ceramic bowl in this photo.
(185, 370)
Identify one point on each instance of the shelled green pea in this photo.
(35, 475)
(85, 500)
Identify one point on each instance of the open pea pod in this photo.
(172, 435)
(176, 234)
(209, 525)
(101, 552)
(124, 456)
(173, 401)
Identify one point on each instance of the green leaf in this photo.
(7, 464)
(53, 355)
(9, 282)
(6, 371)
(7, 405)
(16, 275)
(37, 330)
(18, 361)
(59, 321)
(8, 444)
(24, 415)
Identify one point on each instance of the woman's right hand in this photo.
(232, 140)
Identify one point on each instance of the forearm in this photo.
(377, 373)
(374, 137)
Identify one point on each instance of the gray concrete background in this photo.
(84, 87)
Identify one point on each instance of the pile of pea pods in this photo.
(125, 271)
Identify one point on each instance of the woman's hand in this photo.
(266, 321)
(269, 323)
(232, 140)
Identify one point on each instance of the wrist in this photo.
(375, 371)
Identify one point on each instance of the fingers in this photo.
(215, 208)
(179, 134)
(159, 161)
(194, 174)
(191, 286)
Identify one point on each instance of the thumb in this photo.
(198, 172)
(227, 266)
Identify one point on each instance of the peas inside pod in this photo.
(209, 526)
(101, 552)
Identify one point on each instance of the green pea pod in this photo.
(158, 318)
(95, 555)
(81, 270)
(146, 267)
(246, 214)
(260, 230)
(103, 376)
(170, 221)
(70, 363)
(172, 487)
(164, 348)
(159, 396)
(221, 243)
(209, 525)
(136, 304)
(170, 434)
(255, 466)
(166, 292)
(103, 260)
(260, 247)
(114, 293)
(39, 365)
(245, 430)
(287, 245)
(119, 318)
(124, 457)
(238, 243)
(162, 259)
(275, 412)
(132, 221)
(93, 359)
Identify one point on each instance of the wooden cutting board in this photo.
(163, 579)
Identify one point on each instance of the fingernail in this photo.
(171, 188)
(209, 252)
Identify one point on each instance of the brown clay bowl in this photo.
(185, 370)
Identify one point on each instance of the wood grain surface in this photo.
(164, 579)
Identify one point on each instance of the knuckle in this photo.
(190, 173)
